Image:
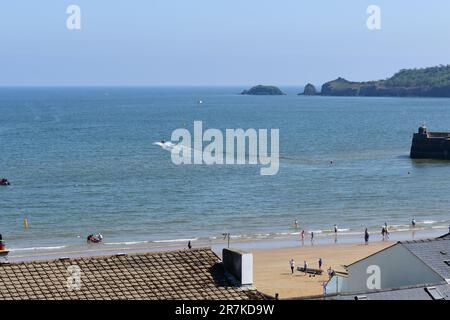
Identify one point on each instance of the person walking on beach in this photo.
(413, 222)
(305, 267)
(335, 229)
(383, 233)
(312, 235)
(303, 234)
(320, 263)
(296, 224)
(292, 264)
(366, 236)
(189, 245)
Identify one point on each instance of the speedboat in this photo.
(166, 145)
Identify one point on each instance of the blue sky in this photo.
(217, 42)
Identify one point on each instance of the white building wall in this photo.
(336, 284)
(398, 267)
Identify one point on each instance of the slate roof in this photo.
(184, 274)
(410, 293)
(433, 252)
(422, 292)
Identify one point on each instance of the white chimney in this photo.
(239, 264)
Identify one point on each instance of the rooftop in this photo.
(445, 236)
(437, 292)
(433, 252)
(185, 274)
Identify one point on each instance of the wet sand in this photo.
(80, 248)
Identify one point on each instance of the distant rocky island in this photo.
(261, 90)
(310, 90)
(424, 82)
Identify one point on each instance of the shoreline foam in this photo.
(256, 242)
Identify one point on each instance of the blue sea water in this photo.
(82, 160)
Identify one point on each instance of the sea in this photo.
(83, 160)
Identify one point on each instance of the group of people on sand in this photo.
(306, 266)
(302, 233)
(384, 231)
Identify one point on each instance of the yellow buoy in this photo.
(25, 223)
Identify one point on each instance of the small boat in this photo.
(4, 182)
(94, 239)
(4, 254)
(166, 145)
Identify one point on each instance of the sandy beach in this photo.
(271, 267)
(272, 271)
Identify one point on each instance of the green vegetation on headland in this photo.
(425, 82)
(261, 90)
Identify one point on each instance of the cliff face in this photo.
(342, 87)
(427, 82)
(261, 90)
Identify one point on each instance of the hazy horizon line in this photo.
(207, 85)
(143, 85)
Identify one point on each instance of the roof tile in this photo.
(184, 274)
